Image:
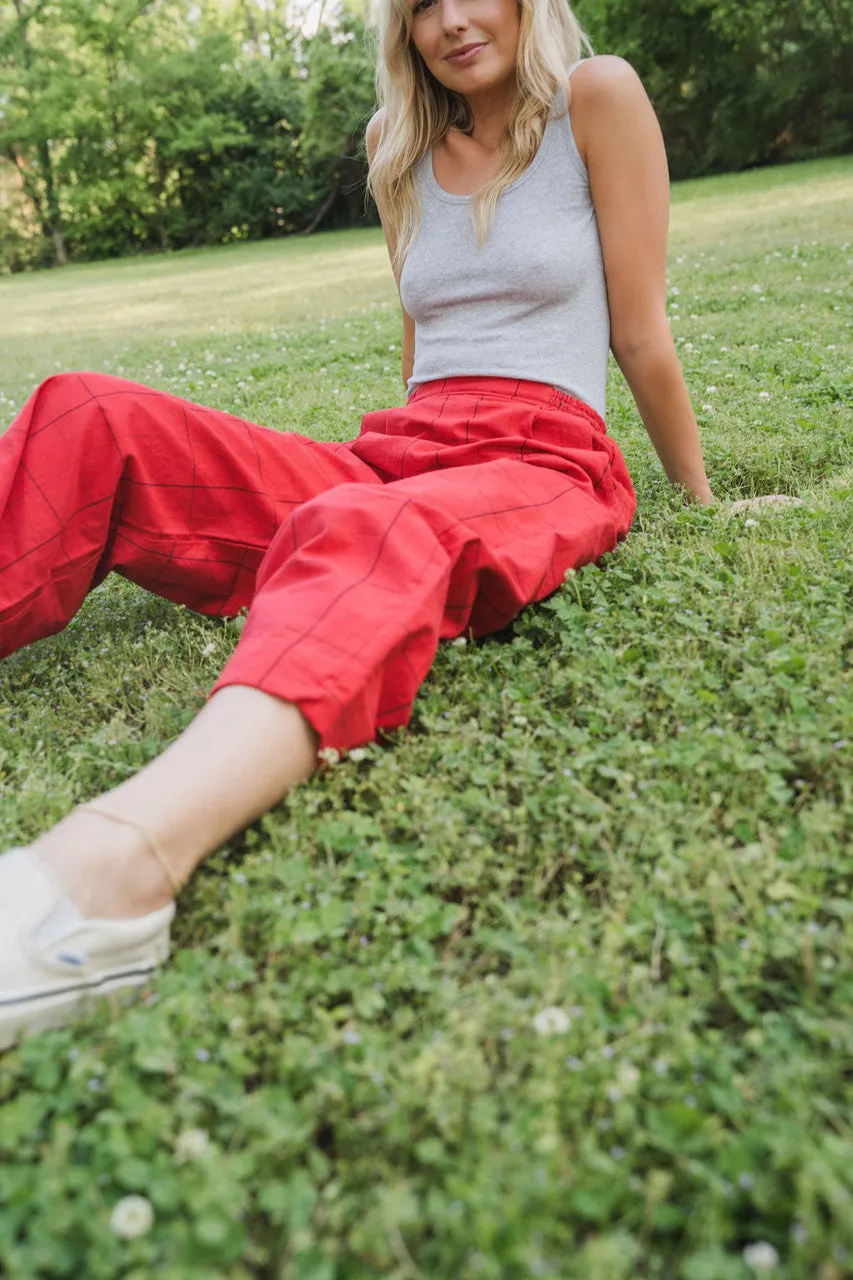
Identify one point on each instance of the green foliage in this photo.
(635, 806)
(339, 99)
(143, 127)
(20, 244)
(737, 85)
(139, 127)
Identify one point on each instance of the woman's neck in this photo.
(491, 113)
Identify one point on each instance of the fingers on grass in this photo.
(773, 501)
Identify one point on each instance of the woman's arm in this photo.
(620, 141)
(371, 139)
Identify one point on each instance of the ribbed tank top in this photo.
(532, 303)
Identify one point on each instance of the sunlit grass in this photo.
(187, 294)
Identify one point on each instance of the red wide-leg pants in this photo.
(448, 514)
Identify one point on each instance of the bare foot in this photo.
(105, 867)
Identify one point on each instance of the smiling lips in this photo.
(466, 54)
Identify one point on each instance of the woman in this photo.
(444, 516)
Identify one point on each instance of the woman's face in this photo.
(470, 46)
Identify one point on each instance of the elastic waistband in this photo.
(511, 389)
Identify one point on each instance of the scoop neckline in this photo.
(451, 196)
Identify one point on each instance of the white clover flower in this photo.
(709, 391)
(357, 754)
(628, 1077)
(764, 395)
(761, 1256)
(192, 1144)
(460, 642)
(208, 649)
(750, 524)
(552, 1021)
(132, 1217)
(329, 755)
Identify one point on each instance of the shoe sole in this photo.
(29, 1015)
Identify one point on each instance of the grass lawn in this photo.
(558, 983)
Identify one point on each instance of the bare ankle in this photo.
(105, 868)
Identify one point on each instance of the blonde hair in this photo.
(418, 111)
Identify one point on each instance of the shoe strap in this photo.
(151, 841)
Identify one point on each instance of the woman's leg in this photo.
(239, 756)
(354, 593)
(352, 598)
(359, 586)
(98, 473)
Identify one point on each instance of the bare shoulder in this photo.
(373, 133)
(605, 76)
(606, 95)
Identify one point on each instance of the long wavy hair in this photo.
(418, 111)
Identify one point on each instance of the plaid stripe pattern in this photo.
(446, 515)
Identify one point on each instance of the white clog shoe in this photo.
(53, 959)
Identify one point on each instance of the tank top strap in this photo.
(560, 106)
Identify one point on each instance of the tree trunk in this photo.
(162, 224)
(53, 221)
(323, 210)
(29, 189)
(252, 26)
(49, 216)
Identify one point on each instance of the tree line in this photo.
(147, 125)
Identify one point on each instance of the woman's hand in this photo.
(773, 500)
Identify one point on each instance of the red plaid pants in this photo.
(443, 516)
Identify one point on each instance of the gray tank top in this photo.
(532, 303)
